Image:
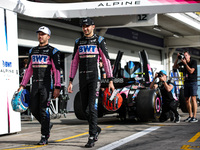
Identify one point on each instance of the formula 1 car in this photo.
(132, 83)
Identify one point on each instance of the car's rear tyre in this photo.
(148, 105)
(122, 110)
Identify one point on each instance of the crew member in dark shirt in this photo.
(170, 101)
(190, 84)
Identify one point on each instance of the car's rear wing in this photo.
(145, 66)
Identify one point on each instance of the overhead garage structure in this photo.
(161, 27)
(170, 20)
(174, 21)
(99, 8)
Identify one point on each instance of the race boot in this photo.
(44, 138)
(43, 141)
(97, 134)
(90, 142)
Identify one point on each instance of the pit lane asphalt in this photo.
(71, 134)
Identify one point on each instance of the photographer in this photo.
(170, 102)
(190, 84)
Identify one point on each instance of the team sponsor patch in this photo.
(93, 41)
(39, 66)
(39, 58)
(55, 50)
(87, 56)
(88, 49)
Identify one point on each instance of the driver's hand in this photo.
(56, 93)
(69, 89)
(111, 86)
(20, 88)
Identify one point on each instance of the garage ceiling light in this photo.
(176, 35)
(157, 28)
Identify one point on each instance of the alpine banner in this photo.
(100, 8)
(9, 76)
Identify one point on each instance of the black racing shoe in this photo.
(90, 142)
(193, 119)
(43, 141)
(97, 134)
(188, 119)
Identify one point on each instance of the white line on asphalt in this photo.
(128, 139)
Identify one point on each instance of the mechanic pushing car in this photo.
(87, 52)
(170, 101)
(43, 60)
